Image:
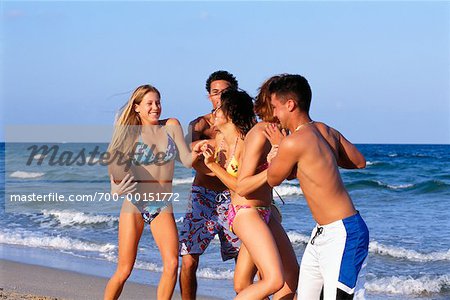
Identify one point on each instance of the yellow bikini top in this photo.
(232, 167)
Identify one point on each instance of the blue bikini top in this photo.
(143, 154)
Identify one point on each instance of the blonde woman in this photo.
(145, 149)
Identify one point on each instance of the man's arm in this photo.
(195, 131)
(349, 155)
(194, 136)
(282, 164)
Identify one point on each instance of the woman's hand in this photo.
(273, 152)
(124, 187)
(208, 153)
(197, 149)
(273, 134)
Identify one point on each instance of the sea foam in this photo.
(287, 190)
(29, 239)
(70, 217)
(26, 175)
(407, 285)
(399, 252)
(181, 181)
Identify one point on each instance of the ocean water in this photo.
(403, 194)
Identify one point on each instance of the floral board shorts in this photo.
(207, 216)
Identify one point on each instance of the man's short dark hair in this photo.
(222, 75)
(294, 87)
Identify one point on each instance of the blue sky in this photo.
(379, 71)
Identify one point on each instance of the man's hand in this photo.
(208, 153)
(273, 152)
(197, 150)
(273, 134)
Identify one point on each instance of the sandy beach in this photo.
(24, 281)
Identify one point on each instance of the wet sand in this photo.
(25, 281)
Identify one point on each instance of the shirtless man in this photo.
(209, 200)
(336, 253)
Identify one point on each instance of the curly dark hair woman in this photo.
(237, 106)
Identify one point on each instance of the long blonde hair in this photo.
(128, 126)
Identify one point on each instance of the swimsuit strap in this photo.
(153, 181)
(279, 196)
(145, 181)
(218, 150)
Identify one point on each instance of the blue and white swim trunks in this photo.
(334, 261)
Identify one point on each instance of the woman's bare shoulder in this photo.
(258, 128)
(256, 134)
(171, 121)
